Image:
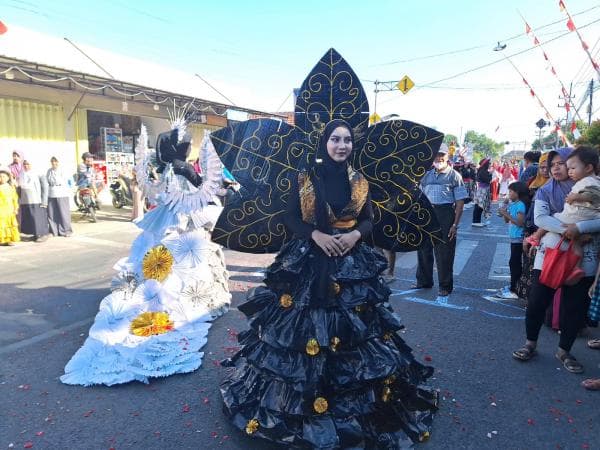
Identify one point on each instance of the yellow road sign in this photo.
(405, 84)
(374, 118)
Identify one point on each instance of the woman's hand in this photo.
(330, 245)
(348, 240)
(571, 231)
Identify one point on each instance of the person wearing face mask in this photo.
(446, 191)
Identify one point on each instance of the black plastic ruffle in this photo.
(362, 367)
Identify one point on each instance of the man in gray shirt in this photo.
(446, 191)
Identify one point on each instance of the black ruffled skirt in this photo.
(331, 371)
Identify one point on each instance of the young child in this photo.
(514, 215)
(583, 202)
(9, 206)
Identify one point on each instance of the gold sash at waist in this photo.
(344, 223)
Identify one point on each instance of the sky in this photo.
(256, 52)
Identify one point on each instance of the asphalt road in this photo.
(49, 294)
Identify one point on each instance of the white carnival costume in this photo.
(169, 289)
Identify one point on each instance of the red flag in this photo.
(573, 127)
(3, 28)
(568, 107)
(535, 41)
(584, 45)
(527, 28)
(570, 25)
(545, 56)
(531, 92)
(561, 5)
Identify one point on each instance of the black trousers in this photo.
(574, 305)
(477, 211)
(515, 264)
(444, 253)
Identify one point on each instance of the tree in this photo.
(591, 135)
(483, 146)
(449, 139)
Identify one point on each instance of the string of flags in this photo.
(536, 42)
(571, 26)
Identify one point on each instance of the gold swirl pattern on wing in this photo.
(394, 157)
(331, 91)
(264, 155)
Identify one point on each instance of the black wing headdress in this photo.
(264, 155)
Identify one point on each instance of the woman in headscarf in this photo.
(33, 203)
(482, 194)
(549, 200)
(541, 178)
(323, 365)
(16, 167)
(59, 189)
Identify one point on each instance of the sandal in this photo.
(594, 344)
(525, 353)
(591, 384)
(570, 363)
(421, 286)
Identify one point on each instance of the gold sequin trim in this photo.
(389, 380)
(320, 405)
(424, 436)
(286, 300)
(387, 336)
(312, 347)
(252, 426)
(386, 394)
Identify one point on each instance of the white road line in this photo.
(464, 250)
(499, 269)
(42, 337)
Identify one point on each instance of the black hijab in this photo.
(330, 178)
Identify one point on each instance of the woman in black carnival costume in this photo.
(323, 365)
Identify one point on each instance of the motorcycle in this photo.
(86, 200)
(122, 194)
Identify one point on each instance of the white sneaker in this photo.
(508, 295)
(478, 225)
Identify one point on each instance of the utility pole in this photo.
(567, 101)
(590, 104)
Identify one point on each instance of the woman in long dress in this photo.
(33, 202)
(323, 364)
(169, 289)
(59, 190)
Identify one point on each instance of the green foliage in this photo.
(449, 139)
(483, 146)
(591, 135)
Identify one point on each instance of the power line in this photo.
(503, 59)
(463, 50)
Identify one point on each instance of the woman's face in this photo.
(54, 164)
(3, 178)
(339, 144)
(26, 166)
(558, 169)
(543, 168)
